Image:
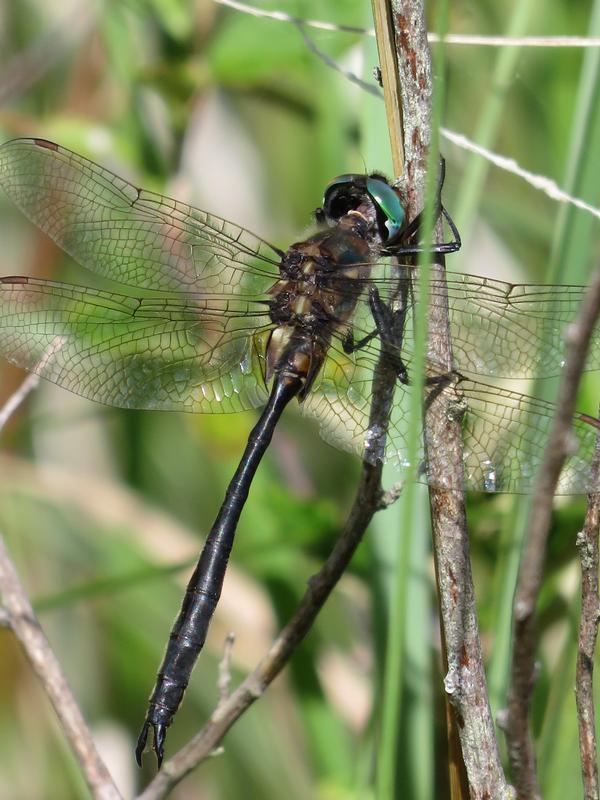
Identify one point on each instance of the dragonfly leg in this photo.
(350, 346)
(412, 229)
(385, 321)
(442, 380)
(456, 244)
(389, 325)
(437, 383)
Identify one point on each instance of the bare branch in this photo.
(26, 628)
(391, 495)
(587, 542)
(465, 684)
(224, 682)
(332, 64)
(520, 744)
(29, 384)
(17, 614)
(17, 398)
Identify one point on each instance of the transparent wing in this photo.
(500, 329)
(505, 435)
(504, 432)
(181, 353)
(507, 330)
(129, 235)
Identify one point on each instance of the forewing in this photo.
(129, 235)
(180, 353)
(501, 329)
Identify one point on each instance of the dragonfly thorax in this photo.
(321, 282)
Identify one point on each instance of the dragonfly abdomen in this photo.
(204, 589)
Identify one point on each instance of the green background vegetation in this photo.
(235, 115)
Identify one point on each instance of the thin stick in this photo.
(388, 64)
(30, 382)
(520, 744)
(587, 542)
(26, 628)
(17, 614)
(224, 682)
(465, 684)
(18, 397)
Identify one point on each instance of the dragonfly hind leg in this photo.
(386, 323)
(409, 234)
(350, 346)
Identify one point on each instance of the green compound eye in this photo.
(389, 203)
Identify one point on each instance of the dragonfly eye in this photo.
(388, 203)
(347, 192)
(342, 195)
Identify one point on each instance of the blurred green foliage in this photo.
(236, 115)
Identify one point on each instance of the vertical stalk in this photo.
(587, 542)
(465, 678)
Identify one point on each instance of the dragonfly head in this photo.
(348, 192)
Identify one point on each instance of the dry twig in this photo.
(465, 679)
(587, 542)
(29, 383)
(520, 744)
(23, 623)
(224, 682)
(17, 614)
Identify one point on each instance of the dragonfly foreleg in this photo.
(390, 325)
(411, 231)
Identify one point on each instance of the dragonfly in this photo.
(210, 318)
